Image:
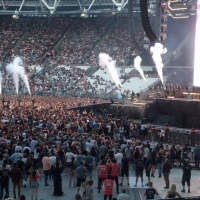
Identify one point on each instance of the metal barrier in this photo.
(65, 94)
(177, 137)
(185, 198)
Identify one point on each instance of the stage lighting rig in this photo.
(181, 8)
(15, 16)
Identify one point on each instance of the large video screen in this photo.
(196, 80)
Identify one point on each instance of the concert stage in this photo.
(183, 113)
(134, 110)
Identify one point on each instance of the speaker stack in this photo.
(145, 21)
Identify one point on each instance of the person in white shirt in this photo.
(119, 157)
(52, 164)
(18, 147)
(145, 153)
(88, 145)
(69, 156)
(36, 157)
(162, 135)
(123, 195)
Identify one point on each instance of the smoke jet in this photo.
(137, 65)
(157, 51)
(16, 69)
(106, 62)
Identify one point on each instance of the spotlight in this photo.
(84, 15)
(15, 16)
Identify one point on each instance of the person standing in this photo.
(148, 166)
(142, 130)
(108, 188)
(46, 167)
(72, 171)
(159, 164)
(150, 192)
(116, 131)
(115, 173)
(16, 176)
(52, 164)
(166, 171)
(196, 156)
(186, 175)
(57, 171)
(81, 173)
(123, 195)
(89, 160)
(4, 177)
(102, 151)
(125, 169)
(33, 144)
(34, 184)
(102, 174)
(118, 157)
(139, 168)
(153, 163)
(69, 156)
(162, 135)
(146, 151)
(89, 191)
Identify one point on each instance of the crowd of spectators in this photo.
(42, 36)
(79, 45)
(10, 33)
(118, 41)
(50, 139)
(60, 80)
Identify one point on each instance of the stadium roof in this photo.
(46, 7)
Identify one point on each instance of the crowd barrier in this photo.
(177, 137)
(65, 93)
(185, 198)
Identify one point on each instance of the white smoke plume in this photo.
(106, 62)
(17, 70)
(137, 65)
(1, 80)
(157, 51)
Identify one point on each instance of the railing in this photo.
(177, 137)
(64, 93)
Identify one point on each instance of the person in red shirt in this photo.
(108, 188)
(34, 184)
(192, 131)
(115, 173)
(167, 128)
(102, 174)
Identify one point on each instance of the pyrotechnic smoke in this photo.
(17, 70)
(157, 51)
(1, 80)
(106, 62)
(137, 65)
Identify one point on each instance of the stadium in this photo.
(93, 91)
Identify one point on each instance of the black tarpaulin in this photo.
(175, 112)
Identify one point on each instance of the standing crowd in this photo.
(54, 141)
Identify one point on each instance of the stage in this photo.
(182, 113)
